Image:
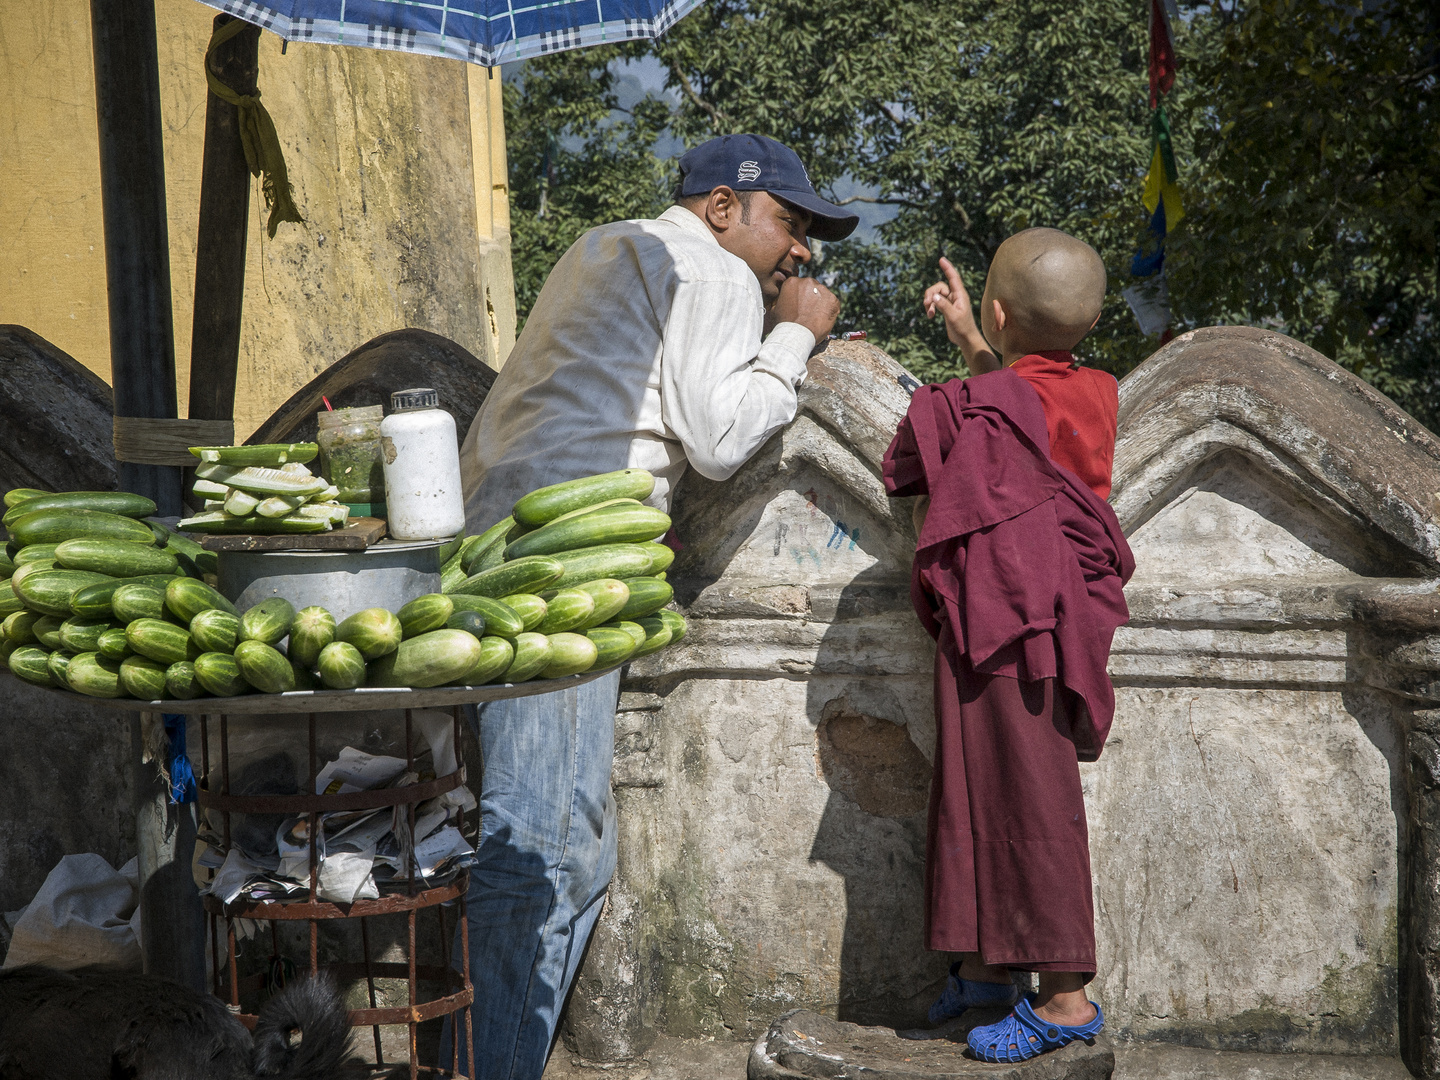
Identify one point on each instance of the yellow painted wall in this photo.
(403, 193)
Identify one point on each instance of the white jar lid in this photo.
(417, 398)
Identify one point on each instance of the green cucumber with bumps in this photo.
(661, 556)
(657, 636)
(451, 578)
(219, 674)
(472, 622)
(634, 629)
(264, 667)
(618, 523)
(181, 683)
(120, 503)
(143, 678)
(676, 622)
(131, 602)
(32, 663)
(341, 666)
(60, 668)
(94, 675)
(501, 620)
(610, 595)
(450, 549)
(114, 644)
(35, 553)
(565, 610)
(49, 591)
(488, 550)
(7, 565)
(15, 496)
(10, 602)
(496, 655)
(430, 659)
(528, 606)
(530, 574)
(24, 571)
(161, 640)
(187, 597)
(47, 630)
(19, 627)
(601, 561)
(532, 654)
(312, 630)
(267, 622)
(570, 654)
(592, 508)
(195, 561)
(647, 596)
(547, 503)
(118, 558)
(215, 631)
(6, 648)
(95, 601)
(374, 631)
(57, 525)
(79, 634)
(612, 645)
(424, 614)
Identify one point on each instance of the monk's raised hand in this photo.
(949, 299)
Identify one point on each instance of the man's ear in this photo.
(999, 315)
(722, 209)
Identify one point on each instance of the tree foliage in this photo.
(1306, 141)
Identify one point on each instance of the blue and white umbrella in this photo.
(487, 32)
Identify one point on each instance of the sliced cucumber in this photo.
(240, 503)
(266, 455)
(261, 481)
(211, 522)
(279, 505)
(210, 490)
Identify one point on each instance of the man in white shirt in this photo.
(645, 349)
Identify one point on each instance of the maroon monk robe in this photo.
(1018, 576)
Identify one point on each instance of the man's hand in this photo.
(950, 299)
(807, 302)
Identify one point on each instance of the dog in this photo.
(102, 1024)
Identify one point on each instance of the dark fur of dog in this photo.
(102, 1024)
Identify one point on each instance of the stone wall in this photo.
(1263, 866)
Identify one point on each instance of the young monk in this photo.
(1018, 575)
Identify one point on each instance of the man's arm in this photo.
(721, 399)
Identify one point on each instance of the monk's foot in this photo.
(1065, 1013)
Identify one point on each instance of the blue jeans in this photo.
(545, 858)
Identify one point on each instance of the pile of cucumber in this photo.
(262, 490)
(98, 600)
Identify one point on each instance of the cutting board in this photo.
(357, 535)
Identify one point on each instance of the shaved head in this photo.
(1051, 286)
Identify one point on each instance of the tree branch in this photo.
(895, 118)
(718, 119)
(879, 202)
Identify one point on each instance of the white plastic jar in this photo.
(422, 468)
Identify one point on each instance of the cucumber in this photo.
(451, 578)
(424, 614)
(122, 503)
(432, 659)
(619, 523)
(647, 596)
(547, 503)
(51, 526)
(336, 513)
(181, 683)
(241, 504)
(265, 455)
(501, 620)
(340, 665)
(143, 678)
(263, 666)
(60, 668)
(496, 655)
(450, 548)
(95, 601)
(209, 490)
(118, 558)
(219, 674)
(593, 508)
(610, 597)
(267, 622)
(47, 631)
(634, 629)
(530, 574)
(657, 636)
(113, 643)
(131, 602)
(7, 565)
(48, 591)
(95, 675)
(312, 630)
(186, 598)
(222, 524)
(195, 561)
(32, 663)
(472, 622)
(23, 572)
(161, 640)
(374, 631)
(215, 631)
(676, 622)
(488, 550)
(566, 610)
(528, 606)
(79, 634)
(570, 654)
(9, 601)
(601, 561)
(15, 496)
(661, 556)
(160, 529)
(19, 627)
(35, 553)
(259, 480)
(612, 646)
(6, 648)
(532, 653)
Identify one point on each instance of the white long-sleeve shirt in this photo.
(643, 350)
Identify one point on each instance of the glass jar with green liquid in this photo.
(350, 457)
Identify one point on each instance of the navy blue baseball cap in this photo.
(755, 163)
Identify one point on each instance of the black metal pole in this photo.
(137, 240)
(220, 242)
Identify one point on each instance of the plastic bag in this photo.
(85, 913)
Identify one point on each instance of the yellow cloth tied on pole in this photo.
(257, 136)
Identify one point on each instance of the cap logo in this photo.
(749, 170)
